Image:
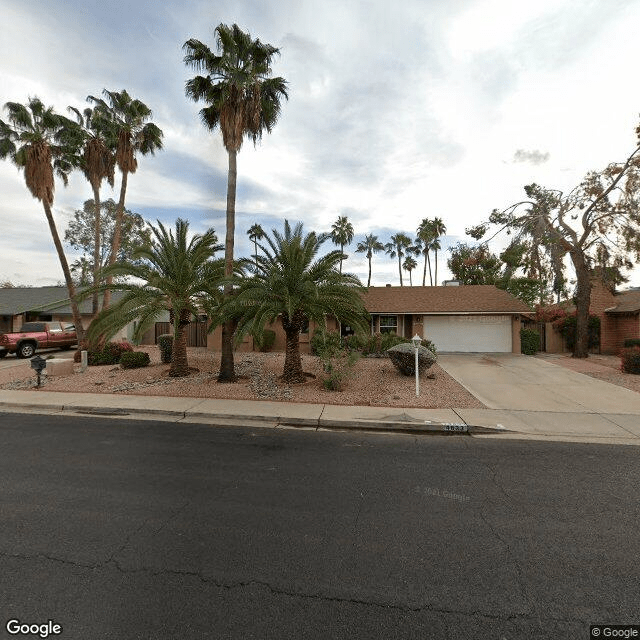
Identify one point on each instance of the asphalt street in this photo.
(123, 530)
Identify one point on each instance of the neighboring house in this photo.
(619, 314)
(471, 318)
(25, 304)
(467, 318)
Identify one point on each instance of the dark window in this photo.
(33, 327)
(388, 324)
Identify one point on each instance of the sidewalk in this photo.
(564, 426)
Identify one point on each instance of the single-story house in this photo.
(468, 318)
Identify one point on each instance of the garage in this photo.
(469, 333)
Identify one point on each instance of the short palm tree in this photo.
(131, 133)
(342, 234)
(296, 286)
(98, 164)
(243, 101)
(397, 247)
(409, 265)
(369, 246)
(39, 141)
(439, 229)
(175, 274)
(255, 233)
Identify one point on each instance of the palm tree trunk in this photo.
(255, 244)
(435, 259)
(341, 251)
(179, 364)
(410, 280)
(430, 278)
(96, 248)
(292, 361)
(424, 273)
(115, 245)
(77, 320)
(369, 280)
(400, 268)
(227, 371)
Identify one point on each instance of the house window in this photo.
(388, 324)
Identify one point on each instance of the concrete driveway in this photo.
(521, 383)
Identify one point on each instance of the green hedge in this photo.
(165, 344)
(134, 360)
(630, 360)
(632, 342)
(110, 354)
(529, 341)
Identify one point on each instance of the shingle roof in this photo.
(17, 300)
(627, 302)
(425, 300)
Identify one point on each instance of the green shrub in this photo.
(529, 341)
(165, 344)
(338, 368)
(632, 342)
(325, 342)
(110, 354)
(427, 344)
(264, 340)
(630, 360)
(567, 327)
(134, 359)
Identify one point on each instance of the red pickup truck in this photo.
(38, 335)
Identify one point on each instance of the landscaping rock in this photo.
(403, 357)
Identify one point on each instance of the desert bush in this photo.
(355, 342)
(338, 368)
(403, 358)
(427, 344)
(110, 354)
(630, 360)
(529, 341)
(264, 340)
(325, 342)
(567, 327)
(632, 342)
(165, 344)
(134, 359)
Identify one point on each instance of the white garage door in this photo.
(469, 333)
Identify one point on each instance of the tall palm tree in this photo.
(397, 247)
(439, 229)
(409, 265)
(370, 246)
(255, 233)
(424, 240)
(39, 141)
(342, 234)
(132, 133)
(296, 286)
(98, 164)
(243, 101)
(174, 274)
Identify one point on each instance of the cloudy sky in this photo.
(398, 111)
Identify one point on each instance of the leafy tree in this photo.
(174, 274)
(131, 133)
(81, 270)
(243, 101)
(369, 246)
(342, 234)
(296, 286)
(79, 235)
(409, 265)
(474, 265)
(599, 217)
(98, 164)
(255, 233)
(397, 247)
(39, 141)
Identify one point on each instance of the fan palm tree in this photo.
(39, 141)
(131, 133)
(370, 246)
(98, 164)
(439, 229)
(174, 274)
(397, 247)
(296, 286)
(255, 233)
(409, 265)
(243, 101)
(424, 240)
(342, 234)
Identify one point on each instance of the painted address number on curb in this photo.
(455, 427)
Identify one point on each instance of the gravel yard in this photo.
(375, 382)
